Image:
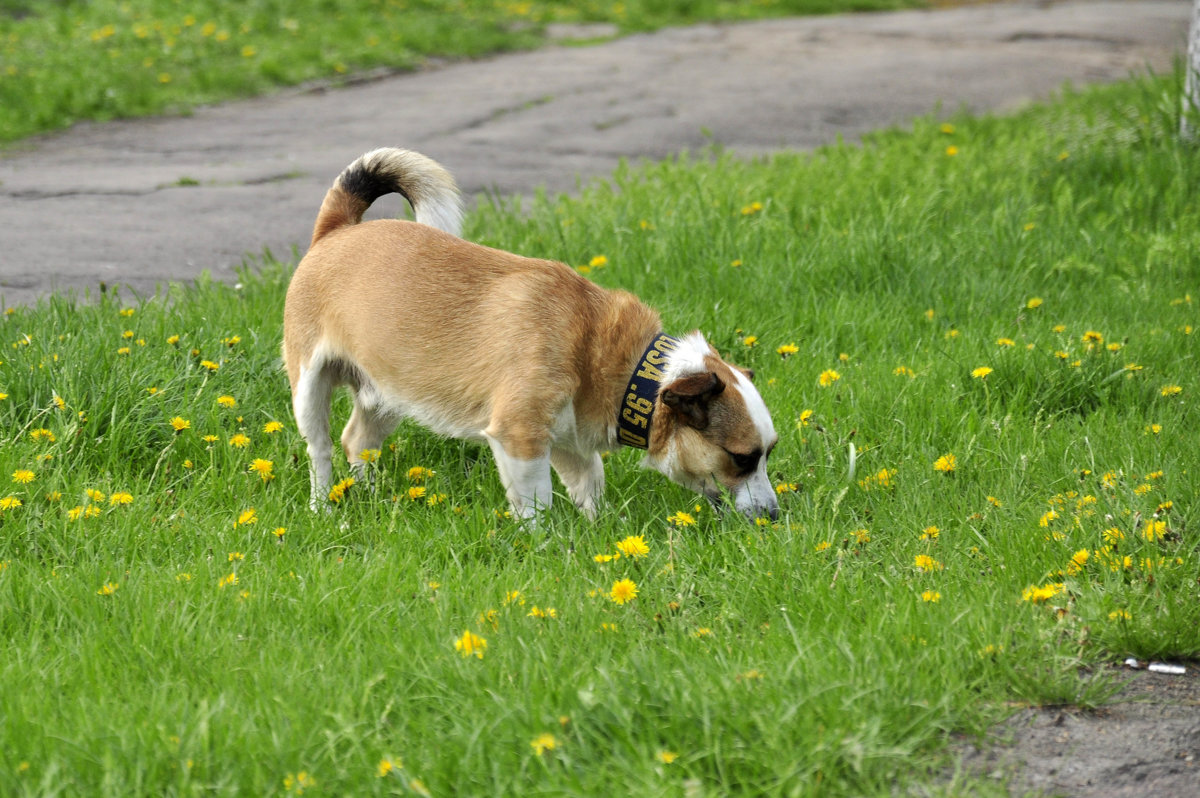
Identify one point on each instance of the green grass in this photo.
(63, 62)
(799, 658)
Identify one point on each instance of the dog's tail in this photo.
(422, 181)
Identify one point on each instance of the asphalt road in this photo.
(146, 202)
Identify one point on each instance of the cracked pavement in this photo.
(142, 203)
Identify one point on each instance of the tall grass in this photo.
(71, 61)
(954, 541)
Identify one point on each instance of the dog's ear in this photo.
(690, 396)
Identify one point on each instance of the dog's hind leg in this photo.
(526, 480)
(310, 403)
(366, 430)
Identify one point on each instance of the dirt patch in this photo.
(1144, 744)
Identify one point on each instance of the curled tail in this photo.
(422, 181)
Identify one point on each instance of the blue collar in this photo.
(637, 408)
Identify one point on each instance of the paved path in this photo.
(105, 202)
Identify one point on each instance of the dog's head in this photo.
(712, 431)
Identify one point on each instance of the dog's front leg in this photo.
(526, 479)
(583, 476)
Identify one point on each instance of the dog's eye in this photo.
(745, 463)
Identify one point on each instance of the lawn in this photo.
(68, 61)
(977, 340)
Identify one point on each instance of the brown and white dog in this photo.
(475, 343)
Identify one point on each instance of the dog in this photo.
(527, 355)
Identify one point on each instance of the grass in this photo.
(144, 57)
(178, 623)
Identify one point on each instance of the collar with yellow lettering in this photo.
(637, 407)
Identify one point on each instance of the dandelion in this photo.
(226, 401)
(931, 596)
(419, 474)
(930, 533)
(208, 364)
(804, 418)
(598, 262)
(946, 463)
(787, 487)
(1005, 342)
(1078, 561)
(926, 564)
(271, 427)
(634, 546)
(787, 350)
(239, 441)
(623, 591)
(862, 536)
(9, 503)
(94, 495)
(299, 782)
(824, 545)
(470, 643)
(416, 492)
(904, 371)
(387, 765)
(1033, 303)
(752, 208)
(1047, 518)
(107, 589)
(120, 497)
(263, 468)
(247, 516)
(703, 631)
(681, 519)
(604, 559)
(667, 757)
(1171, 390)
(538, 612)
(23, 476)
(951, 151)
(1119, 615)
(1154, 530)
(514, 597)
(369, 455)
(172, 340)
(981, 372)
(543, 743)
(229, 580)
(1037, 595)
(828, 377)
(750, 340)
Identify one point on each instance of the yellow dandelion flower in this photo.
(750, 340)
(667, 757)
(1119, 615)
(179, 424)
(9, 503)
(387, 765)
(904, 371)
(804, 418)
(226, 401)
(239, 441)
(369, 455)
(470, 643)
(681, 519)
(271, 427)
(95, 495)
(951, 151)
(263, 468)
(981, 372)
(1171, 390)
(1033, 303)
(1005, 342)
(514, 597)
(23, 476)
(210, 365)
(538, 612)
(543, 743)
(107, 589)
(247, 516)
(787, 350)
(623, 591)
(828, 377)
(824, 545)
(229, 580)
(598, 262)
(931, 596)
(416, 492)
(946, 463)
(606, 558)
(120, 497)
(634, 546)
(42, 434)
(926, 564)
(1154, 530)
(1036, 595)
(930, 533)
(419, 474)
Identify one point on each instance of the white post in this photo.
(1188, 126)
